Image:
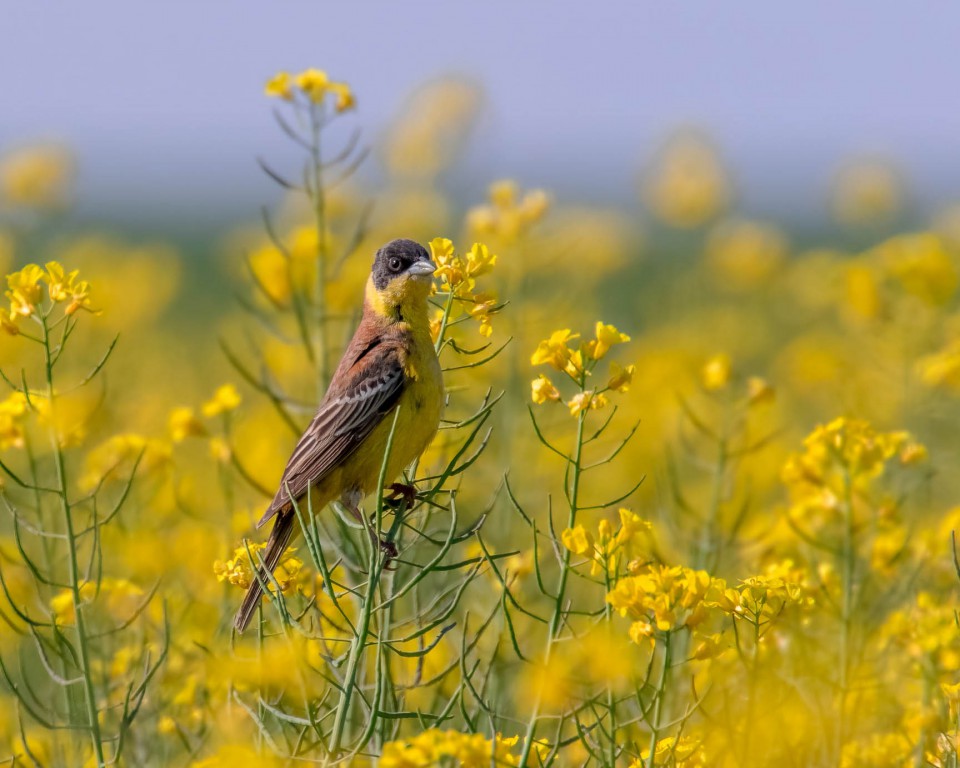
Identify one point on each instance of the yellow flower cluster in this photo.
(839, 463)
(609, 548)
(120, 597)
(458, 275)
(509, 214)
(688, 186)
(902, 272)
(927, 633)
(237, 570)
(314, 84)
(436, 747)
(762, 598)
(578, 364)
(867, 192)
(12, 410)
(25, 292)
(664, 598)
(676, 752)
(942, 368)
(37, 177)
(717, 373)
(106, 460)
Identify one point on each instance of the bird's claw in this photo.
(401, 493)
(390, 553)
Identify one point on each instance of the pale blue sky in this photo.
(164, 104)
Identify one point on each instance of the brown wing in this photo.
(345, 419)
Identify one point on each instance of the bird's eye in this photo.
(395, 264)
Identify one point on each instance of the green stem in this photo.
(658, 706)
(318, 199)
(358, 644)
(72, 546)
(848, 576)
(707, 553)
(556, 619)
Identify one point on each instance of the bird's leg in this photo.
(389, 549)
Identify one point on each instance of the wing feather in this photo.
(341, 424)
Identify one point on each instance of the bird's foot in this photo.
(401, 494)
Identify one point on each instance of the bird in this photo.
(389, 364)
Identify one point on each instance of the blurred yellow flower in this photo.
(716, 373)
(36, 177)
(607, 336)
(12, 410)
(436, 747)
(183, 423)
(578, 540)
(224, 400)
(104, 461)
(682, 752)
(759, 391)
(313, 82)
(509, 215)
(867, 192)
(62, 285)
(542, 390)
(24, 291)
(745, 254)
(620, 377)
(280, 86)
(688, 185)
(583, 401)
(237, 570)
(554, 351)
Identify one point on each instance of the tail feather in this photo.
(276, 545)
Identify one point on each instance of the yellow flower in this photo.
(36, 177)
(220, 450)
(105, 460)
(586, 401)
(24, 291)
(479, 260)
(759, 391)
(554, 351)
(621, 378)
(225, 399)
(183, 423)
(280, 86)
(667, 597)
(682, 752)
(509, 215)
(62, 286)
(716, 373)
(578, 540)
(11, 413)
(631, 526)
(867, 192)
(542, 390)
(314, 83)
(237, 570)
(166, 726)
(689, 185)
(607, 336)
(344, 97)
(436, 747)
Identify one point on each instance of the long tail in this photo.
(276, 545)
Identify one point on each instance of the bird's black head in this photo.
(400, 257)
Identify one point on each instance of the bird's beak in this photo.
(422, 268)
